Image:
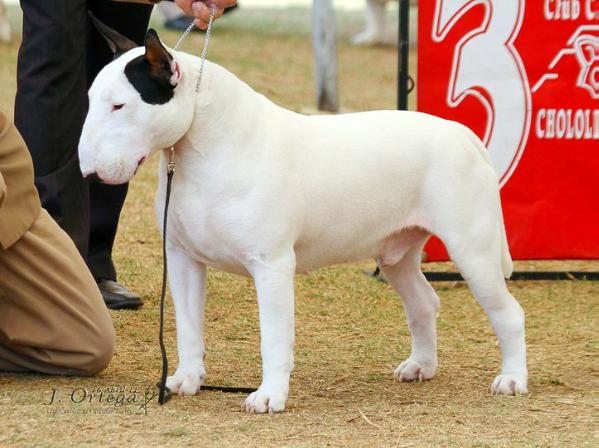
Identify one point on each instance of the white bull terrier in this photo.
(264, 192)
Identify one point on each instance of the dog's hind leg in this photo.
(480, 252)
(420, 302)
(486, 282)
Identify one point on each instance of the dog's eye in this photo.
(116, 107)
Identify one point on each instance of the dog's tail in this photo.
(507, 265)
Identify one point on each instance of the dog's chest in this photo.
(206, 227)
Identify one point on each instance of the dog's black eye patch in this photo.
(153, 85)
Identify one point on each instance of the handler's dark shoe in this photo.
(117, 297)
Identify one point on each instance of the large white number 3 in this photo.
(487, 66)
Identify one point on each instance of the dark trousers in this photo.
(59, 58)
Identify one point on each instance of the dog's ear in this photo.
(159, 59)
(154, 74)
(118, 43)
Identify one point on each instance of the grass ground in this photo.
(351, 330)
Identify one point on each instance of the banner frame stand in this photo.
(516, 276)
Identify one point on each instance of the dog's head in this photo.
(137, 105)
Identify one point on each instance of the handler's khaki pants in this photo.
(52, 316)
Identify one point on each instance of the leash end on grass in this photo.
(164, 393)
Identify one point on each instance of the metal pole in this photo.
(325, 52)
(403, 49)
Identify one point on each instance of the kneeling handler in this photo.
(53, 319)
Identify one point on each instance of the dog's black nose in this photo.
(92, 177)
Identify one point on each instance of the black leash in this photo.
(164, 393)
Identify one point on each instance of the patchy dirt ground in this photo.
(351, 330)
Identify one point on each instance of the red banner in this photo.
(523, 75)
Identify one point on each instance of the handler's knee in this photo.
(97, 343)
(102, 356)
(95, 355)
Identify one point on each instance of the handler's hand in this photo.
(200, 9)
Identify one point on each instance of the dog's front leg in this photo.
(187, 280)
(274, 285)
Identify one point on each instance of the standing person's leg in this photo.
(51, 105)
(106, 201)
(175, 18)
(5, 30)
(170, 11)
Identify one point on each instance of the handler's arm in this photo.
(200, 9)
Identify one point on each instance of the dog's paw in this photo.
(410, 370)
(509, 384)
(265, 400)
(185, 382)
